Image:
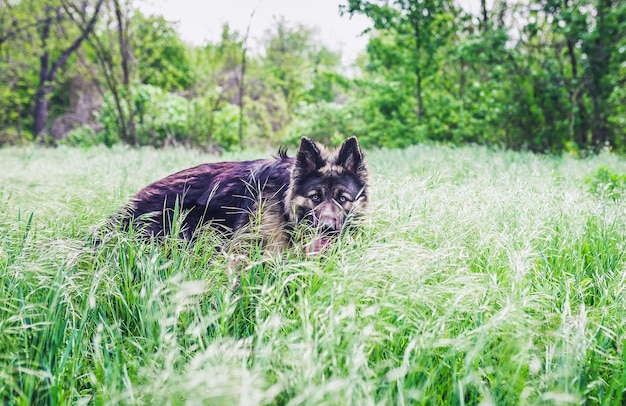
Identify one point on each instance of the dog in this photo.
(318, 190)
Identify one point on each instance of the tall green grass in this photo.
(480, 277)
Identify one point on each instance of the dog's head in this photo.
(327, 189)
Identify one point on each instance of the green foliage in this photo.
(20, 52)
(329, 123)
(17, 88)
(606, 182)
(210, 125)
(13, 136)
(298, 67)
(162, 56)
(227, 54)
(389, 114)
(544, 89)
(326, 84)
(551, 82)
(167, 119)
(85, 137)
(161, 116)
(288, 61)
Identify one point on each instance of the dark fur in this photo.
(316, 187)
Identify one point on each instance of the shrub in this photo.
(163, 118)
(607, 183)
(84, 136)
(329, 123)
(12, 136)
(209, 125)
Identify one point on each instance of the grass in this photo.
(481, 277)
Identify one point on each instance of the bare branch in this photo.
(77, 42)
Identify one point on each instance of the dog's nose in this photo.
(328, 217)
(327, 225)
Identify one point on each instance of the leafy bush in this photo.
(160, 117)
(163, 118)
(12, 136)
(84, 136)
(607, 183)
(385, 113)
(209, 125)
(109, 117)
(329, 123)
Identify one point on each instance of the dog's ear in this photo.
(309, 156)
(350, 155)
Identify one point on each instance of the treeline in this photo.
(544, 75)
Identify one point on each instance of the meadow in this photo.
(480, 276)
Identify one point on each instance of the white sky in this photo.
(200, 21)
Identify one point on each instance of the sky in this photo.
(200, 21)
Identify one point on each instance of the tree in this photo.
(419, 20)
(588, 35)
(218, 72)
(288, 60)
(45, 31)
(601, 46)
(50, 62)
(300, 68)
(162, 58)
(18, 79)
(113, 52)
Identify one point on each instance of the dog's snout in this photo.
(329, 218)
(328, 226)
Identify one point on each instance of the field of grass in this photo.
(480, 277)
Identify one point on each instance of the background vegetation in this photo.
(542, 75)
(480, 277)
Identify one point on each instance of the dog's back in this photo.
(223, 193)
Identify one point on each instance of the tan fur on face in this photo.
(332, 169)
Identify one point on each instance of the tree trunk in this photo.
(599, 129)
(599, 56)
(242, 85)
(130, 131)
(501, 15)
(462, 85)
(483, 24)
(578, 118)
(241, 95)
(40, 110)
(116, 82)
(420, 101)
(418, 72)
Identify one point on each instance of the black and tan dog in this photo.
(320, 189)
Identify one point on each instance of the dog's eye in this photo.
(342, 199)
(315, 197)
